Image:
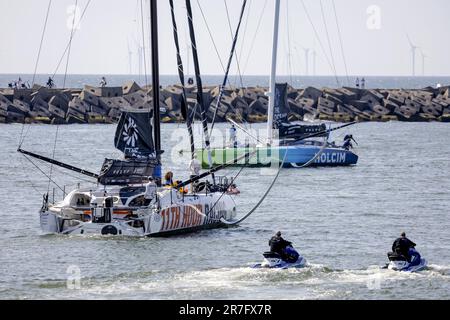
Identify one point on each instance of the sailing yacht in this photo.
(296, 145)
(129, 199)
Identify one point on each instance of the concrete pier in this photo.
(104, 105)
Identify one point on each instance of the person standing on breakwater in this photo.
(357, 83)
(103, 83)
(363, 83)
(50, 83)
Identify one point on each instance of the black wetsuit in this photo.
(402, 246)
(277, 245)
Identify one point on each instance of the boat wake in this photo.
(314, 281)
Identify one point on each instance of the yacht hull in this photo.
(295, 156)
(178, 214)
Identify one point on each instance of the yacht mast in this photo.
(271, 93)
(155, 83)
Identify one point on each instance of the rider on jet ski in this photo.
(279, 245)
(402, 245)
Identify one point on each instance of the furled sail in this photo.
(119, 172)
(134, 138)
(134, 135)
(281, 108)
(286, 129)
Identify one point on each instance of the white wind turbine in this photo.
(413, 53)
(424, 56)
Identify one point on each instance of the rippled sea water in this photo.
(343, 220)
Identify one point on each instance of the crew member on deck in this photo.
(233, 138)
(348, 142)
(194, 167)
(168, 179)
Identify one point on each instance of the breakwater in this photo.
(105, 104)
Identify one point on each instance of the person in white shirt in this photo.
(233, 139)
(194, 166)
(150, 189)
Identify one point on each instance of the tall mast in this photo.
(155, 77)
(198, 77)
(271, 92)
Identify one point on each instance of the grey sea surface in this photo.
(343, 220)
(372, 82)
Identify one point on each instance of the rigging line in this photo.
(233, 223)
(245, 29)
(60, 170)
(233, 36)
(70, 43)
(67, 46)
(53, 156)
(37, 167)
(289, 43)
(211, 36)
(226, 190)
(42, 41)
(230, 59)
(340, 41)
(200, 98)
(329, 41)
(29, 180)
(184, 104)
(143, 44)
(314, 158)
(254, 36)
(317, 36)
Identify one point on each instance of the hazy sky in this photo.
(373, 35)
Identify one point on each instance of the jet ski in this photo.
(290, 259)
(399, 262)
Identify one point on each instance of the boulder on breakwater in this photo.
(105, 104)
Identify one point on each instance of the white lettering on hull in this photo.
(331, 158)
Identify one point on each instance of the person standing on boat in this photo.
(363, 83)
(150, 189)
(168, 179)
(357, 83)
(233, 137)
(194, 167)
(348, 142)
(402, 245)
